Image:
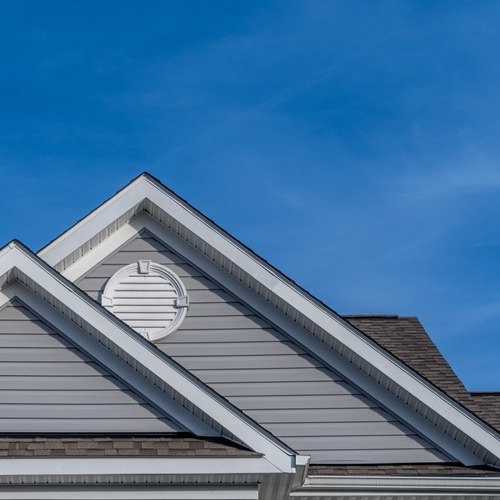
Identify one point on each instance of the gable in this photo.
(177, 394)
(48, 385)
(146, 203)
(266, 374)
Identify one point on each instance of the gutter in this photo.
(341, 486)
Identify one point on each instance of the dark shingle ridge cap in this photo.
(485, 393)
(376, 316)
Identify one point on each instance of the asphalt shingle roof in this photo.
(158, 446)
(487, 406)
(401, 470)
(405, 338)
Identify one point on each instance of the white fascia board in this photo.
(93, 223)
(131, 493)
(134, 466)
(330, 357)
(128, 341)
(384, 485)
(105, 249)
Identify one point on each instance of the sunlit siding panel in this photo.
(48, 385)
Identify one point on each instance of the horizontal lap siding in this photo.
(47, 385)
(265, 374)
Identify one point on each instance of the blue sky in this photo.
(355, 145)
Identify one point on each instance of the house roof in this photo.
(390, 355)
(402, 470)
(123, 446)
(406, 338)
(487, 406)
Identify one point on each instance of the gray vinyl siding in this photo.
(47, 385)
(265, 374)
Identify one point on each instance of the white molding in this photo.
(126, 340)
(91, 224)
(134, 466)
(92, 258)
(5, 296)
(332, 486)
(131, 493)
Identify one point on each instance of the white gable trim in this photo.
(120, 337)
(328, 355)
(106, 248)
(93, 223)
(134, 466)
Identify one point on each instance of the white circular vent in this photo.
(148, 297)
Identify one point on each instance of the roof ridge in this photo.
(385, 316)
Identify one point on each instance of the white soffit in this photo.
(18, 263)
(65, 253)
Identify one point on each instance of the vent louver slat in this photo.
(147, 296)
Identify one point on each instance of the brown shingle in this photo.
(401, 470)
(487, 406)
(405, 338)
(122, 446)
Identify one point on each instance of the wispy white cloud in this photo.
(464, 180)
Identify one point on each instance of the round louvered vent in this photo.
(148, 297)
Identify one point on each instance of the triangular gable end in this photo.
(174, 392)
(317, 328)
(48, 385)
(264, 372)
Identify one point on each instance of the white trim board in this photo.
(133, 493)
(127, 343)
(134, 466)
(469, 431)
